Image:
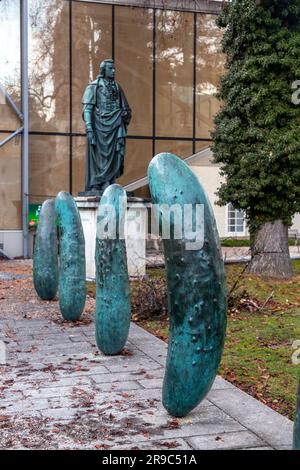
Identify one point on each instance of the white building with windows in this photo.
(230, 222)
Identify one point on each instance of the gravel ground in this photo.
(18, 298)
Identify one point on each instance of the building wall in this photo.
(209, 176)
(210, 179)
(167, 61)
(296, 223)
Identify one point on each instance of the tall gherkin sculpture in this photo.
(72, 279)
(113, 293)
(45, 260)
(196, 288)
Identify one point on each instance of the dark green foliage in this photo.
(257, 130)
(45, 263)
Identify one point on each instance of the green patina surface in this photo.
(196, 290)
(106, 114)
(112, 281)
(72, 288)
(45, 263)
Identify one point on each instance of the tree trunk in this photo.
(270, 251)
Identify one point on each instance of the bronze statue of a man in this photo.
(106, 114)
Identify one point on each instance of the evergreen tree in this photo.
(257, 134)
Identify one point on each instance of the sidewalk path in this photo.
(230, 254)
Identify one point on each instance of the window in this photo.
(235, 221)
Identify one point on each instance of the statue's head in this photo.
(107, 69)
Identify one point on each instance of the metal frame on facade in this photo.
(195, 7)
(25, 113)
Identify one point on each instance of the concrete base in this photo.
(136, 228)
(11, 242)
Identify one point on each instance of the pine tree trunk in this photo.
(270, 251)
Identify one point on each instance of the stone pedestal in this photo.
(136, 229)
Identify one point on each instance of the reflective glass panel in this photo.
(10, 71)
(91, 43)
(10, 184)
(133, 59)
(48, 166)
(181, 148)
(49, 65)
(202, 144)
(138, 156)
(78, 164)
(174, 74)
(209, 68)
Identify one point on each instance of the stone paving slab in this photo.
(58, 392)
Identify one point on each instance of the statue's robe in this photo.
(110, 115)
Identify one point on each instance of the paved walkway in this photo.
(230, 255)
(58, 392)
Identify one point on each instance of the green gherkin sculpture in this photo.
(196, 289)
(113, 293)
(45, 261)
(296, 441)
(72, 288)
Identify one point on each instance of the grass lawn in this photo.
(263, 323)
(238, 242)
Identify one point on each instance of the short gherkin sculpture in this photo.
(113, 293)
(196, 290)
(45, 262)
(72, 288)
(296, 441)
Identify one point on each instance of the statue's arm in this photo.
(88, 101)
(126, 110)
(87, 115)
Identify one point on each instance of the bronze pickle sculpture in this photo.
(112, 281)
(196, 290)
(45, 263)
(72, 288)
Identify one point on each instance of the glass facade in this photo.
(49, 166)
(209, 68)
(49, 66)
(168, 63)
(174, 73)
(10, 184)
(10, 81)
